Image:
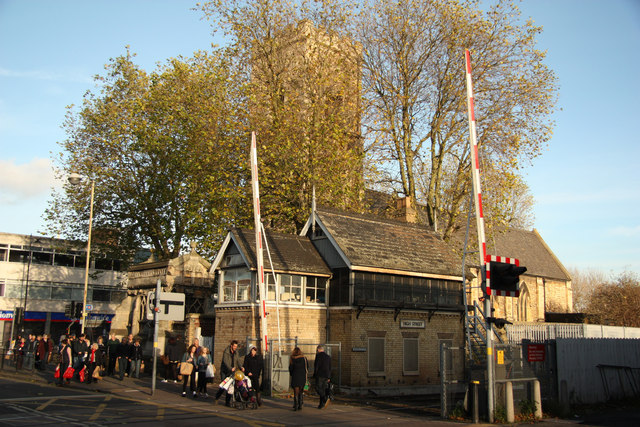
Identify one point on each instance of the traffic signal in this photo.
(69, 309)
(503, 277)
(78, 310)
(500, 323)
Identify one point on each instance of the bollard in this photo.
(537, 399)
(509, 402)
(476, 410)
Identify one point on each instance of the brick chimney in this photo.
(406, 210)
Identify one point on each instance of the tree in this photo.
(616, 302)
(415, 99)
(583, 284)
(305, 103)
(168, 152)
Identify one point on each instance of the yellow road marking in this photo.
(44, 405)
(160, 415)
(99, 410)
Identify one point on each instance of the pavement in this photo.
(344, 410)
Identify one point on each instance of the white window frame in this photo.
(231, 289)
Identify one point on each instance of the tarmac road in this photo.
(32, 399)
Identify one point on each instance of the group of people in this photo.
(33, 352)
(299, 372)
(251, 366)
(80, 354)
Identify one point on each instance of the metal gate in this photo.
(452, 379)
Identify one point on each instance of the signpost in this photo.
(168, 306)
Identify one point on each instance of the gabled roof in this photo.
(368, 242)
(532, 252)
(289, 252)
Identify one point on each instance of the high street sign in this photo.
(170, 306)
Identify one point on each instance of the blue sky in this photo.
(586, 184)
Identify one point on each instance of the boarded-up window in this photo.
(410, 356)
(376, 355)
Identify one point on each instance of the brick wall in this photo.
(354, 332)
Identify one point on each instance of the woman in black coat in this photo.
(298, 368)
(252, 367)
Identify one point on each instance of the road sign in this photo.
(170, 306)
(89, 307)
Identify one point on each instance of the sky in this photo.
(586, 183)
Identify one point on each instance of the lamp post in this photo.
(75, 179)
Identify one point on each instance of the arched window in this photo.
(523, 302)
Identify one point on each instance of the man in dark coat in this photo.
(45, 348)
(322, 374)
(230, 362)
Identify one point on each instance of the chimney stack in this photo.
(406, 210)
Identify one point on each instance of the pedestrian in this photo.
(135, 358)
(45, 348)
(65, 360)
(172, 353)
(80, 350)
(230, 362)
(189, 373)
(128, 360)
(102, 347)
(112, 350)
(322, 375)
(95, 360)
(252, 367)
(203, 362)
(122, 354)
(18, 350)
(30, 349)
(298, 369)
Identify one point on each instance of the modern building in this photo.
(41, 276)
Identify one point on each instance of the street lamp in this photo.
(75, 179)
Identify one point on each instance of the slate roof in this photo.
(532, 252)
(289, 252)
(369, 241)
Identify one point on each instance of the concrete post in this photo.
(509, 402)
(537, 399)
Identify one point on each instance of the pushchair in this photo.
(244, 395)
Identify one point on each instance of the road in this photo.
(31, 399)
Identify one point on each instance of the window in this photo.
(271, 286)
(236, 285)
(1, 289)
(376, 356)
(39, 292)
(410, 356)
(103, 264)
(16, 255)
(103, 295)
(59, 292)
(63, 260)
(316, 289)
(290, 288)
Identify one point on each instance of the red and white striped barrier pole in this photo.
(482, 243)
(475, 162)
(259, 253)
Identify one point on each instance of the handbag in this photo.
(186, 368)
(82, 374)
(68, 374)
(56, 374)
(165, 359)
(96, 373)
(226, 383)
(211, 371)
